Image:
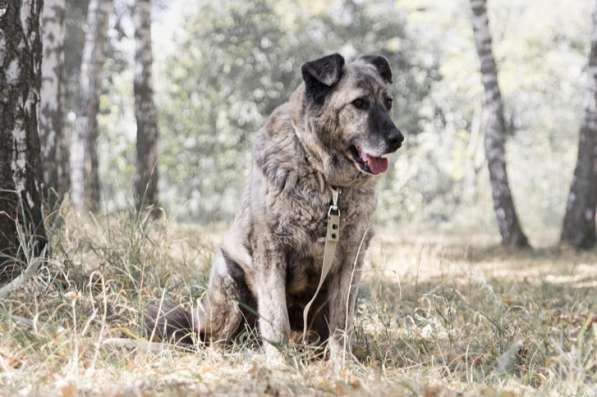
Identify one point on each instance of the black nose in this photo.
(394, 139)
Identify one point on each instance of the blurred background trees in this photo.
(239, 63)
(146, 177)
(222, 66)
(85, 179)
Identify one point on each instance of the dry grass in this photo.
(435, 318)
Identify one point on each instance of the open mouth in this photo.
(368, 163)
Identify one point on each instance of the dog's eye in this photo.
(361, 103)
(388, 102)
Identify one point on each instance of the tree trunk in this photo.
(85, 181)
(146, 178)
(495, 131)
(20, 163)
(51, 117)
(578, 228)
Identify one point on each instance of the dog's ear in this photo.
(381, 64)
(320, 76)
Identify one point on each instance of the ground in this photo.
(437, 316)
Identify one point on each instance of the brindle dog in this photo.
(333, 133)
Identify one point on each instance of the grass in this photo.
(436, 317)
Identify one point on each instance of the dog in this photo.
(324, 149)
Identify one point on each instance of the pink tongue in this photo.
(377, 165)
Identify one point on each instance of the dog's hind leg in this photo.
(164, 322)
(219, 314)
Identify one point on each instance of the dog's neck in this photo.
(310, 157)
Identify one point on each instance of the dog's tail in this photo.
(169, 323)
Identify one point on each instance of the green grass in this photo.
(436, 317)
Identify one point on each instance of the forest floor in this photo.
(436, 317)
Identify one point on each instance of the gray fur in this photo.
(271, 258)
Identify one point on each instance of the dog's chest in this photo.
(302, 219)
(305, 228)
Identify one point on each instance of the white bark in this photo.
(51, 116)
(20, 168)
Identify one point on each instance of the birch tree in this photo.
(85, 189)
(54, 145)
(578, 228)
(20, 164)
(494, 126)
(146, 177)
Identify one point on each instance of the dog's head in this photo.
(350, 105)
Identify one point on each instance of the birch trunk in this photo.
(578, 228)
(85, 181)
(51, 117)
(495, 131)
(146, 178)
(20, 164)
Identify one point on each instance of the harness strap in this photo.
(329, 252)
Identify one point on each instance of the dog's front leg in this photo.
(343, 291)
(274, 324)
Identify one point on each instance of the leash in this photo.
(329, 252)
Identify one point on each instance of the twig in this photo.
(142, 345)
(22, 320)
(104, 317)
(504, 362)
(348, 297)
(26, 275)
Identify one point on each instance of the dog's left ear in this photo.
(320, 76)
(381, 64)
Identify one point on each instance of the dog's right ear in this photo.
(381, 64)
(320, 76)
